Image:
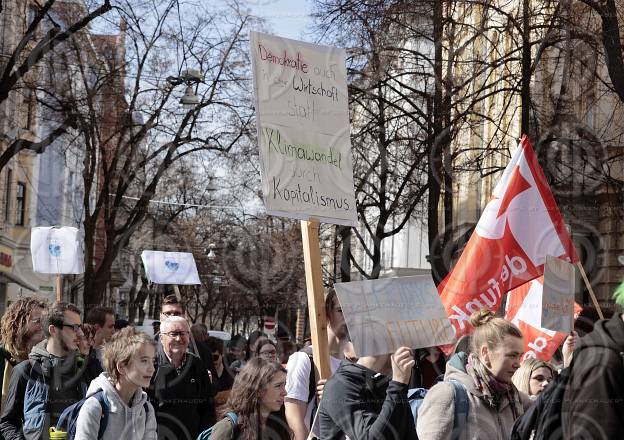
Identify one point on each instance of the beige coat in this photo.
(435, 416)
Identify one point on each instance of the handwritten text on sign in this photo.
(385, 314)
(303, 129)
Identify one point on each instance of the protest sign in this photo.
(303, 129)
(385, 314)
(524, 309)
(56, 250)
(558, 295)
(170, 267)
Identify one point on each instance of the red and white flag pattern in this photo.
(524, 309)
(519, 226)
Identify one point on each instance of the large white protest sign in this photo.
(170, 267)
(558, 295)
(56, 250)
(385, 314)
(303, 129)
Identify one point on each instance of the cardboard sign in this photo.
(170, 267)
(56, 250)
(385, 314)
(524, 309)
(558, 295)
(303, 129)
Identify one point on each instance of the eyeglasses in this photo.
(177, 334)
(75, 327)
(172, 313)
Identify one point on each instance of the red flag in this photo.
(519, 226)
(524, 308)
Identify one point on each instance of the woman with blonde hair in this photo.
(533, 376)
(252, 410)
(494, 403)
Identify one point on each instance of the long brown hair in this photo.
(245, 398)
(14, 326)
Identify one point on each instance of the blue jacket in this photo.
(40, 388)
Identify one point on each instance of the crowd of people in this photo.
(183, 383)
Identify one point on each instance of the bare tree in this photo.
(50, 24)
(130, 121)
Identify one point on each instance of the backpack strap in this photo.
(462, 405)
(99, 395)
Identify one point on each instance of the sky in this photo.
(285, 18)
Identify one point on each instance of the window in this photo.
(7, 196)
(20, 204)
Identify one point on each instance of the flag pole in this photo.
(59, 287)
(591, 291)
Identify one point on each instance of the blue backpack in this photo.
(208, 432)
(416, 396)
(69, 417)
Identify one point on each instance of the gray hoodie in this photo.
(127, 423)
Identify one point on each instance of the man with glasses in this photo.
(181, 391)
(49, 381)
(170, 306)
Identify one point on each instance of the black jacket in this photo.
(593, 404)
(184, 402)
(362, 404)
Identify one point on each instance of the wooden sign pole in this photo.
(59, 287)
(591, 291)
(316, 301)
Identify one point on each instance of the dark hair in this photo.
(97, 315)
(121, 324)
(215, 344)
(245, 398)
(171, 300)
(200, 331)
(238, 340)
(55, 315)
(262, 344)
(330, 300)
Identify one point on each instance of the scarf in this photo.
(492, 389)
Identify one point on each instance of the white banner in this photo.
(303, 129)
(56, 250)
(170, 267)
(385, 314)
(558, 297)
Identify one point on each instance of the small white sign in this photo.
(170, 267)
(385, 314)
(56, 250)
(302, 114)
(558, 295)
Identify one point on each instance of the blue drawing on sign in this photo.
(172, 266)
(54, 249)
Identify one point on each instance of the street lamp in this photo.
(190, 77)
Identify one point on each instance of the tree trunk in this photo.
(345, 256)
